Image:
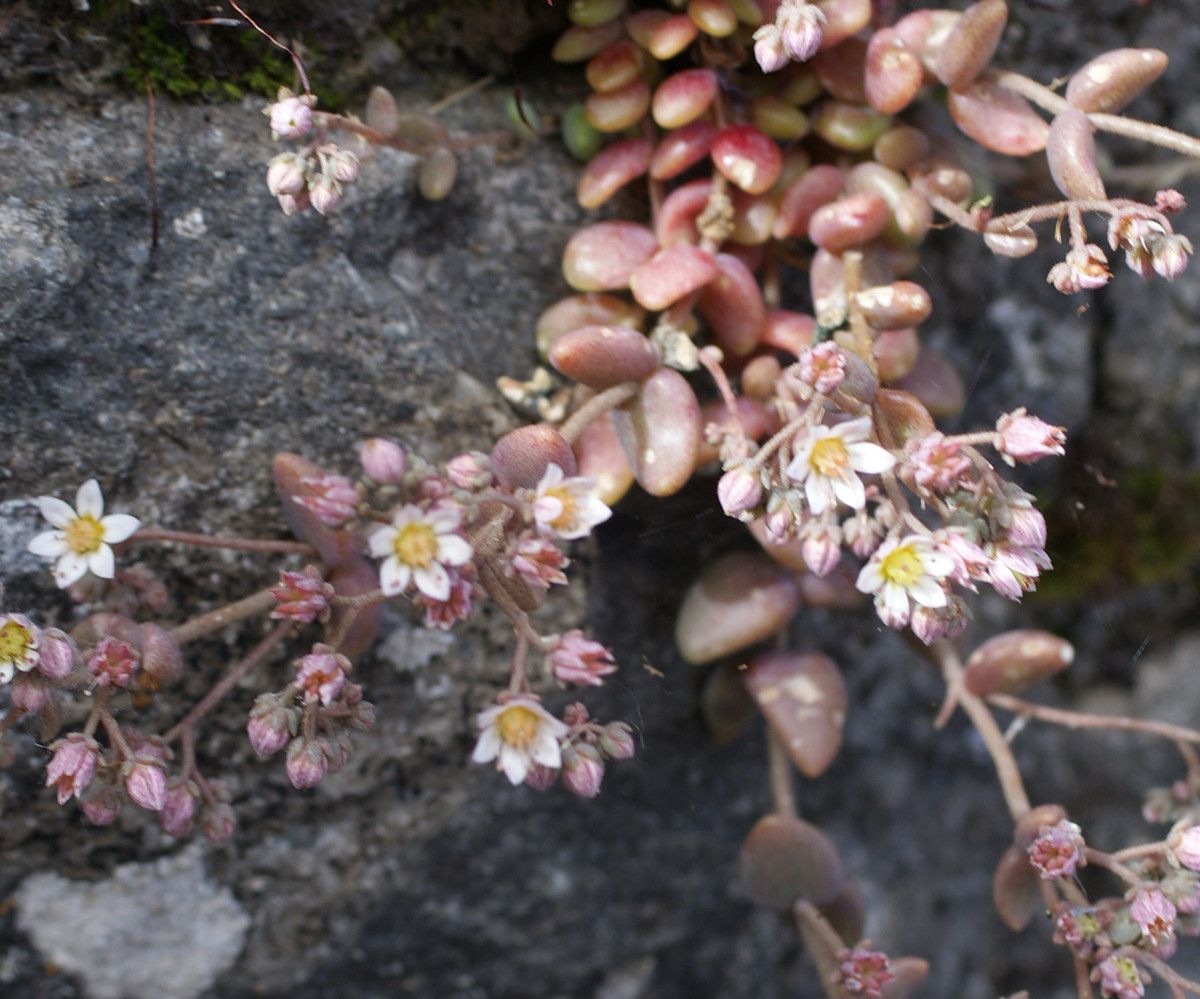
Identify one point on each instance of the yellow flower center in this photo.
(416, 545)
(830, 458)
(564, 497)
(15, 642)
(84, 535)
(902, 566)
(517, 726)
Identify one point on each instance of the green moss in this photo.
(1142, 531)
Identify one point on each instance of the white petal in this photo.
(927, 592)
(394, 576)
(433, 581)
(818, 490)
(515, 764)
(89, 501)
(544, 749)
(69, 569)
(895, 602)
(101, 562)
(937, 563)
(798, 468)
(49, 544)
(850, 491)
(870, 579)
(595, 510)
(55, 510)
(870, 458)
(382, 541)
(453, 550)
(444, 519)
(118, 527)
(553, 476)
(854, 430)
(488, 746)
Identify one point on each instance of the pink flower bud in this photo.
(769, 52)
(302, 596)
(575, 659)
(325, 194)
(112, 663)
(344, 165)
(538, 563)
(1185, 847)
(1169, 201)
(333, 499)
(179, 809)
(56, 654)
(271, 725)
(72, 766)
(616, 741)
(218, 824)
(293, 204)
(1027, 528)
(582, 770)
(145, 782)
(285, 174)
(1058, 850)
(739, 492)
(800, 25)
(823, 367)
(931, 624)
(102, 807)
(1169, 256)
(821, 547)
(291, 118)
(306, 762)
(471, 470)
(540, 778)
(383, 460)
(1085, 267)
(1020, 437)
(30, 692)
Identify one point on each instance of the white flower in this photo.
(829, 459)
(418, 546)
(567, 508)
(517, 735)
(81, 538)
(904, 571)
(19, 641)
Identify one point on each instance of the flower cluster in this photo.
(314, 175)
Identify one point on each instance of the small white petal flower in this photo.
(567, 508)
(903, 572)
(518, 734)
(416, 549)
(82, 536)
(828, 460)
(19, 645)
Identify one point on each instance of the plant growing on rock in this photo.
(771, 139)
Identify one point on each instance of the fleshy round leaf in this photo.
(660, 431)
(804, 700)
(785, 859)
(1016, 660)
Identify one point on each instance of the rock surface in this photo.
(174, 374)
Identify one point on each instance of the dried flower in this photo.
(321, 675)
(1079, 929)
(301, 596)
(1154, 913)
(938, 464)
(863, 972)
(567, 508)
(537, 563)
(516, 735)
(418, 547)
(1021, 437)
(828, 460)
(903, 572)
(19, 646)
(576, 659)
(444, 614)
(112, 663)
(1119, 978)
(72, 766)
(334, 499)
(81, 537)
(1058, 850)
(822, 367)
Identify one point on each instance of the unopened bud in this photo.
(470, 470)
(616, 741)
(285, 174)
(306, 762)
(271, 725)
(179, 809)
(383, 460)
(582, 770)
(291, 118)
(145, 782)
(325, 194)
(738, 492)
(102, 807)
(161, 655)
(218, 824)
(56, 654)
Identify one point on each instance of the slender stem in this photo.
(230, 680)
(1009, 774)
(278, 44)
(215, 620)
(596, 407)
(1139, 851)
(1110, 863)
(1158, 966)
(1131, 128)
(783, 791)
(518, 681)
(1079, 719)
(461, 94)
(223, 541)
(1083, 984)
(114, 733)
